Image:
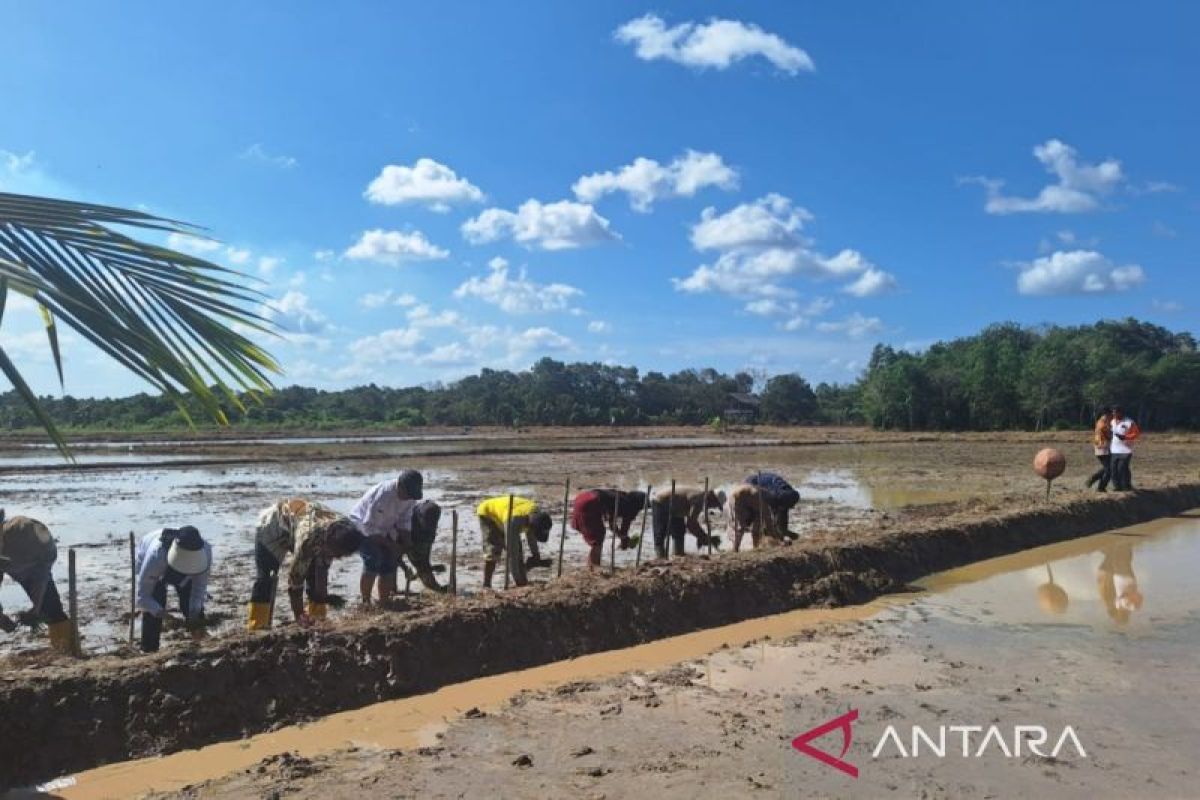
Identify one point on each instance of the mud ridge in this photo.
(105, 710)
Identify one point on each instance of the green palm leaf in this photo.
(170, 318)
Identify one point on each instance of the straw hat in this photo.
(187, 554)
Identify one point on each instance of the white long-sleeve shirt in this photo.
(151, 565)
(381, 512)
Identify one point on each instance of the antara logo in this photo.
(975, 741)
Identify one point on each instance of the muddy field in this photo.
(849, 479)
(114, 708)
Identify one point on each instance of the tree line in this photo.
(1006, 377)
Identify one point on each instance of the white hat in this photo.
(187, 562)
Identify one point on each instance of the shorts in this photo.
(493, 539)
(379, 556)
(587, 517)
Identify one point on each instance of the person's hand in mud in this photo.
(7, 624)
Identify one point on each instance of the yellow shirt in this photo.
(496, 509)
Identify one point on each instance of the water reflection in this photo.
(1090, 581)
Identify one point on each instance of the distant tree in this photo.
(788, 399)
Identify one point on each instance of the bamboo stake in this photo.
(707, 526)
(454, 552)
(612, 550)
(73, 604)
(508, 543)
(762, 520)
(562, 536)
(132, 585)
(670, 520)
(642, 537)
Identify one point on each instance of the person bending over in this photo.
(313, 536)
(384, 516)
(176, 557)
(597, 509)
(527, 519)
(27, 555)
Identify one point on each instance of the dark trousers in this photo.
(48, 607)
(1122, 477)
(267, 571)
(1104, 474)
(152, 625)
(780, 504)
(666, 525)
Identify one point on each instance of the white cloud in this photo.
(855, 326)
(294, 313)
(516, 295)
(541, 338)
(426, 182)
(237, 255)
(1079, 187)
(716, 44)
(445, 355)
(1168, 306)
(770, 221)
(394, 247)
(598, 326)
(871, 283)
(645, 180)
(1077, 272)
(268, 264)
(256, 152)
(196, 245)
(324, 255)
(387, 297)
(759, 246)
(388, 346)
(562, 225)
(422, 316)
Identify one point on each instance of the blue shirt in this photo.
(770, 481)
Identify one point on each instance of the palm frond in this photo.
(170, 318)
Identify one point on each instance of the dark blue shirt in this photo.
(770, 481)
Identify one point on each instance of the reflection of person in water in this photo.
(1117, 583)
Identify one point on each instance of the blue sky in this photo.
(428, 189)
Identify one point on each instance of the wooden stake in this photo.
(670, 520)
(454, 552)
(132, 585)
(508, 543)
(707, 526)
(762, 520)
(73, 604)
(612, 550)
(562, 536)
(642, 537)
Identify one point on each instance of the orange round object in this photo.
(1052, 598)
(1049, 463)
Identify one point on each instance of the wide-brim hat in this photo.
(187, 562)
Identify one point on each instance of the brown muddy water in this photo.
(1119, 606)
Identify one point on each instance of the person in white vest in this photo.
(1125, 432)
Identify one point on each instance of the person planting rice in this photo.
(313, 536)
(679, 516)
(748, 511)
(176, 557)
(780, 497)
(27, 555)
(527, 518)
(384, 516)
(596, 509)
(426, 516)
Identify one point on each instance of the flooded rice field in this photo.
(1098, 634)
(841, 486)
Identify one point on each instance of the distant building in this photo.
(742, 409)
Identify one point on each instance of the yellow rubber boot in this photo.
(260, 616)
(62, 639)
(316, 610)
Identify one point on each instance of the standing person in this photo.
(780, 497)
(527, 519)
(1101, 440)
(1124, 433)
(594, 510)
(674, 519)
(27, 554)
(384, 515)
(176, 557)
(313, 536)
